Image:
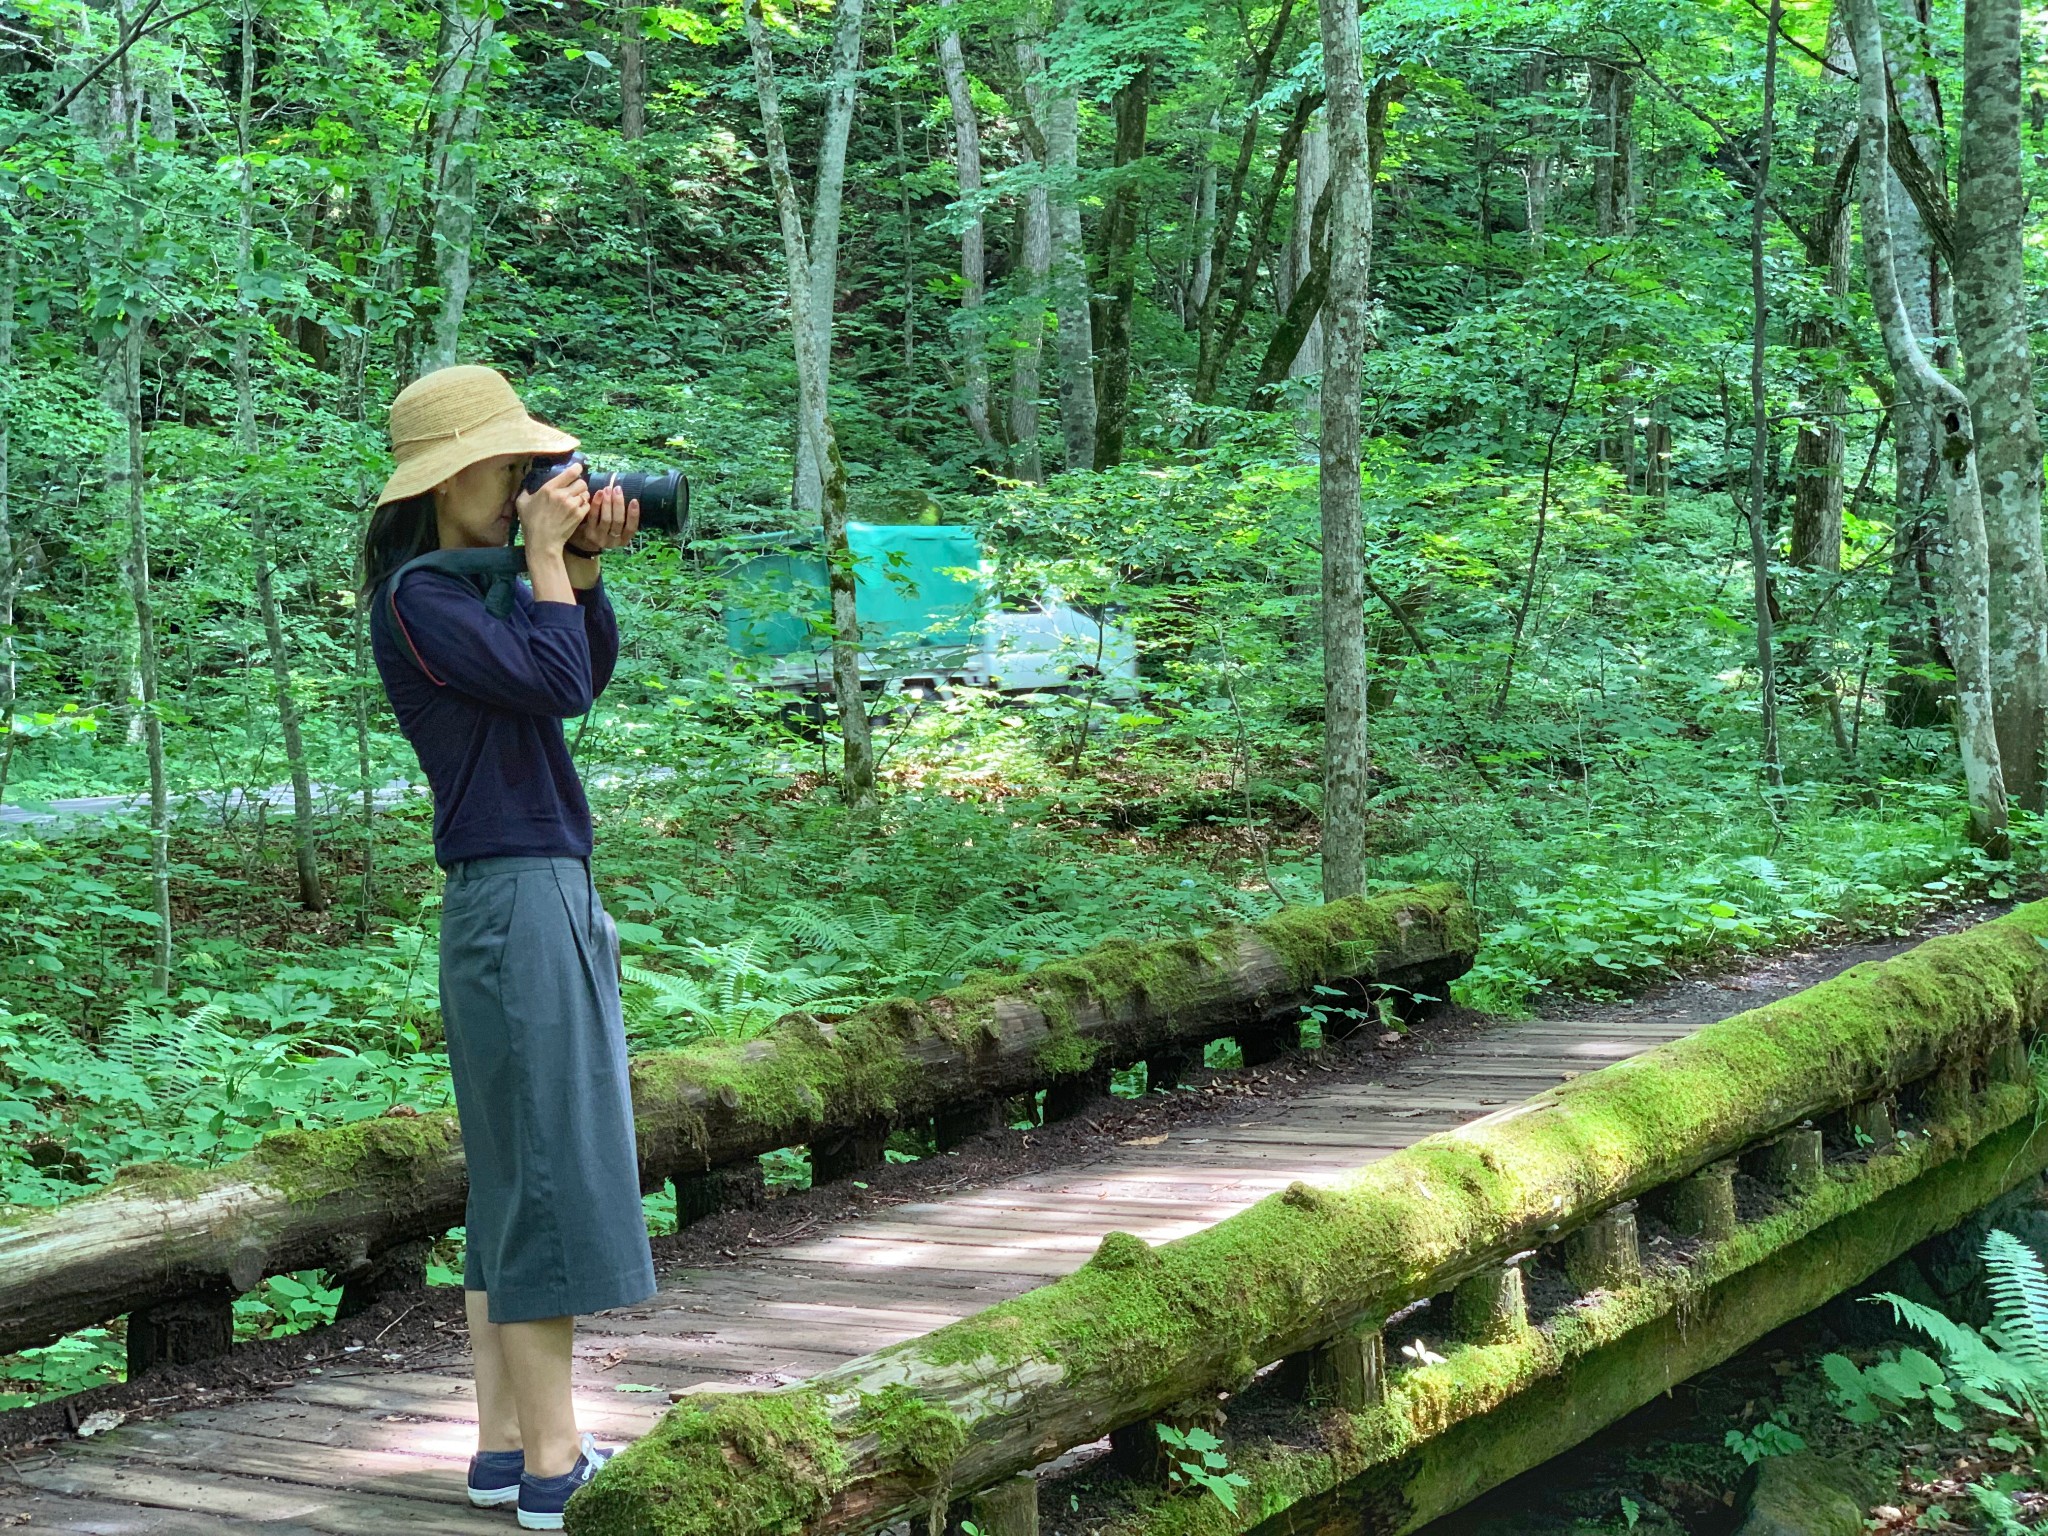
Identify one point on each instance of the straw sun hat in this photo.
(449, 419)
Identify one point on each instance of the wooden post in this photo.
(1605, 1254)
(181, 1331)
(1946, 1091)
(1348, 1373)
(1008, 1509)
(1261, 1044)
(950, 1127)
(1491, 1307)
(2006, 1061)
(706, 1193)
(1068, 1096)
(1868, 1124)
(1793, 1163)
(842, 1157)
(1703, 1205)
(402, 1267)
(1166, 1069)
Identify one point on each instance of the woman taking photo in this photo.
(529, 960)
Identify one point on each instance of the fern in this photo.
(2019, 1299)
(2005, 1368)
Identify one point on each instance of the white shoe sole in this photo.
(529, 1521)
(494, 1497)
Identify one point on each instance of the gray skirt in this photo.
(537, 1045)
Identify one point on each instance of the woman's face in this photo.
(474, 506)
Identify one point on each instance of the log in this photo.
(1138, 1329)
(341, 1198)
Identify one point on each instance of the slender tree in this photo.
(821, 299)
(857, 776)
(1117, 268)
(973, 328)
(305, 830)
(1759, 410)
(126, 476)
(463, 73)
(1998, 377)
(1074, 335)
(1345, 775)
(1919, 381)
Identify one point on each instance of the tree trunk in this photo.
(464, 77)
(857, 773)
(1302, 319)
(1203, 263)
(815, 382)
(121, 391)
(10, 568)
(1030, 345)
(1074, 336)
(124, 398)
(1311, 173)
(305, 831)
(1920, 382)
(1208, 363)
(311, 1198)
(973, 258)
(1215, 339)
(1817, 455)
(632, 129)
(1536, 160)
(1346, 785)
(1613, 93)
(1119, 281)
(1991, 326)
(1759, 411)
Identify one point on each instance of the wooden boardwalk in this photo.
(370, 1450)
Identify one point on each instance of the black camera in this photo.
(663, 494)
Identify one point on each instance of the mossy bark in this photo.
(340, 1198)
(1448, 1433)
(1139, 1329)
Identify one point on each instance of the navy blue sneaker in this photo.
(542, 1499)
(494, 1477)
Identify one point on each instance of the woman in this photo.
(529, 960)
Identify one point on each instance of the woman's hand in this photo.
(550, 516)
(610, 523)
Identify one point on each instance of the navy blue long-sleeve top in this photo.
(482, 701)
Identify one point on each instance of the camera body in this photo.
(663, 494)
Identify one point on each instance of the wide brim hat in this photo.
(449, 419)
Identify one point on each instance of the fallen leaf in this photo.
(1144, 1141)
(99, 1423)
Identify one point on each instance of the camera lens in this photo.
(663, 494)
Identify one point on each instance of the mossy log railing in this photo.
(183, 1242)
(1140, 1331)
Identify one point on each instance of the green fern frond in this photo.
(2019, 1298)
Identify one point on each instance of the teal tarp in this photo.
(913, 585)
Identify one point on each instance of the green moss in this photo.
(912, 1431)
(1122, 1250)
(1358, 935)
(804, 1075)
(766, 1463)
(306, 1165)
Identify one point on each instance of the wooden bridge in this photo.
(372, 1448)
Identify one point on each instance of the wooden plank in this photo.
(47, 1511)
(240, 1498)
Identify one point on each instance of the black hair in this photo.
(399, 531)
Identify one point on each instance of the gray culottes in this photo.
(537, 1045)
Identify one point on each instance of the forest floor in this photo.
(422, 1330)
